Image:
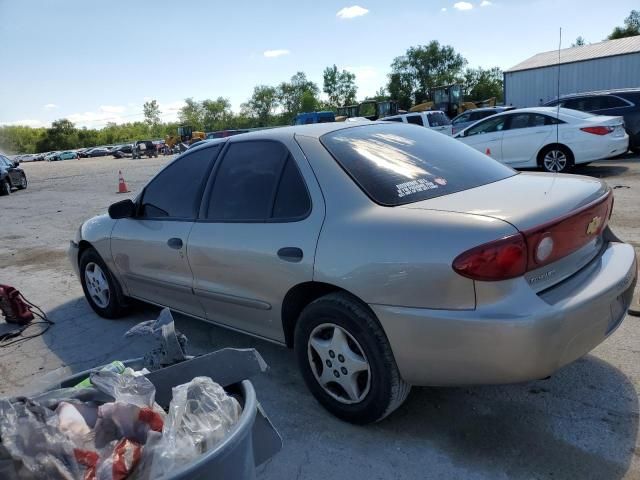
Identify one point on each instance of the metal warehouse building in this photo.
(599, 66)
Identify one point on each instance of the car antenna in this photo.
(558, 91)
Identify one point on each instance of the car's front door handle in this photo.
(175, 243)
(290, 254)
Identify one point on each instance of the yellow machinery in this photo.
(449, 99)
(186, 135)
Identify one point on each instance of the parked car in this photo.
(625, 103)
(68, 155)
(28, 157)
(141, 148)
(11, 176)
(386, 256)
(433, 119)
(546, 137)
(468, 118)
(121, 151)
(97, 152)
(51, 156)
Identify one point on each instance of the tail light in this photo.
(598, 130)
(534, 248)
(497, 260)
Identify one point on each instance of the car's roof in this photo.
(617, 91)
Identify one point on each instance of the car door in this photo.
(256, 235)
(486, 136)
(150, 250)
(523, 137)
(12, 171)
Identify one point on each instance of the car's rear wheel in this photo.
(5, 187)
(23, 182)
(555, 159)
(100, 287)
(346, 360)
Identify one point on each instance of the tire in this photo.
(23, 182)
(555, 159)
(111, 304)
(5, 187)
(375, 391)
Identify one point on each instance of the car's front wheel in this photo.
(346, 360)
(5, 187)
(100, 287)
(23, 182)
(555, 159)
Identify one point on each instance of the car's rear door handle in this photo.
(290, 254)
(175, 243)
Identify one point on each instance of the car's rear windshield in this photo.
(439, 119)
(396, 164)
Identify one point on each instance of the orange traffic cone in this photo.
(488, 152)
(122, 185)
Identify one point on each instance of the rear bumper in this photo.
(525, 337)
(612, 148)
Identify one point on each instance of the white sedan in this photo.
(547, 137)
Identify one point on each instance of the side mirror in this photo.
(16, 163)
(122, 209)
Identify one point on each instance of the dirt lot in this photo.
(581, 423)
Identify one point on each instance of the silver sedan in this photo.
(385, 254)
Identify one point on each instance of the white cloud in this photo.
(368, 79)
(363, 73)
(171, 106)
(443, 9)
(462, 6)
(276, 53)
(351, 12)
(112, 108)
(485, 3)
(96, 119)
(26, 123)
(50, 106)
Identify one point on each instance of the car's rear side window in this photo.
(395, 165)
(438, 119)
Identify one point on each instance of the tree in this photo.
(631, 27)
(580, 42)
(295, 95)
(215, 113)
(152, 115)
(420, 69)
(191, 114)
(62, 135)
(340, 86)
(481, 84)
(261, 105)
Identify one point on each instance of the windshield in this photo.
(396, 164)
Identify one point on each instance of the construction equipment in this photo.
(186, 137)
(450, 99)
(370, 109)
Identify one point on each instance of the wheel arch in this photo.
(301, 295)
(540, 156)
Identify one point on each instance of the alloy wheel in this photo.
(555, 161)
(339, 363)
(23, 182)
(97, 285)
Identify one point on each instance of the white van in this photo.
(433, 119)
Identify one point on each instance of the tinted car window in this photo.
(462, 118)
(488, 126)
(612, 102)
(394, 119)
(415, 119)
(292, 198)
(246, 181)
(175, 191)
(520, 120)
(475, 116)
(395, 165)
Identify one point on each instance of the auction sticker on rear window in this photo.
(415, 186)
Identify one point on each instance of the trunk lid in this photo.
(572, 210)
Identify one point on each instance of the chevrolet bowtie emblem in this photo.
(594, 225)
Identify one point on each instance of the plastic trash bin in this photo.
(251, 442)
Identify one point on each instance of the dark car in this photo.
(141, 148)
(470, 117)
(97, 152)
(11, 176)
(121, 151)
(624, 103)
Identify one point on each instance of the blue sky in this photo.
(94, 61)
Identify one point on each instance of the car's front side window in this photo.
(176, 191)
(461, 119)
(488, 126)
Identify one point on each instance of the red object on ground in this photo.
(488, 152)
(13, 306)
(122, 185)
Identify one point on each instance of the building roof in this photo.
(608, 48)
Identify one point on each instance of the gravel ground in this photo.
(581, 423)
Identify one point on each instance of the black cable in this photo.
(38, 312)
